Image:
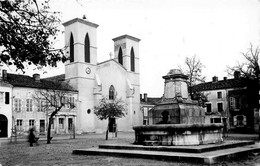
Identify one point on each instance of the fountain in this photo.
(176, 119)
(177, 122)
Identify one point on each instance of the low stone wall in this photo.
(178, 134)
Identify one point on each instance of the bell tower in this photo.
(126, 51)
(81, 49)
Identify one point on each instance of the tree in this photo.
(55, 97)
(27, 29)
(249, 71)
(108, 109)
(193, 70)
(250, 67)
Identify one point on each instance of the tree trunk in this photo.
(107, 130)
(49, 131)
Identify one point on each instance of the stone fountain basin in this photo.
(178, 134)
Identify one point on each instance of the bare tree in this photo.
(250, 67)
(107, 109)
(193, 69)
(55, 96)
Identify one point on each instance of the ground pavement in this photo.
(59, 152)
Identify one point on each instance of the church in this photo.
(117, 77)
(90, 80)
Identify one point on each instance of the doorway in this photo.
(70, 124)
(42, 126)
(3, 126)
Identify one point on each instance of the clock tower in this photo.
(81, 49)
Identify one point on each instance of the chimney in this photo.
(145, 97)
(36, 77)
(4, 75)
(141, 97)
(236, 74)
(225, 78)
(215, 79)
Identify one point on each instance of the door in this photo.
(70, 124)
(3, 126)
(42, 126)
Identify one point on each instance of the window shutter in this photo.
(7, 96)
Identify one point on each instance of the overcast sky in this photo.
(217, 31)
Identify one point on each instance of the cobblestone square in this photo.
(59, 152)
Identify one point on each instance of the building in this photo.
(25, 111)
(6, 118)
(147, 103)
(89, 80)
(231, 101)
(116, 77)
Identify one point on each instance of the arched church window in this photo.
(87, 49)
(111, 95)
(120, 56)
(71, 48)
(132, 59)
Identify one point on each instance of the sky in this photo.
(216, 31)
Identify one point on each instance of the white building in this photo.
(5, 106)
(115, 77)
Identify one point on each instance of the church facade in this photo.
(117, 77)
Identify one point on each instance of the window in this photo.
(17, 105)
(120, 56)
(19, 124)
(71, 48)
(132, 60)
(7, 101)
(31, 123)
(111, 93)
(219, 95)
(72, 102)
(29, 105)
(145, 111)
(234, 103)
(1, 97)
(40, 106)
(87, 49)
(220, 107)
(208, 105)
(61, 123)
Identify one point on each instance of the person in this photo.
(31, 137)
(165, 117)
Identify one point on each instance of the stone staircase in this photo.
(208, 154)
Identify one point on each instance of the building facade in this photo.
(118, 76)
(5, 105)
(230, 102)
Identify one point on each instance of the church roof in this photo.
(81, 21)
(18, 80)
(126, 36)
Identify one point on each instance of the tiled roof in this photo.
(56, 78)
(18, 80)
(223, 84)
(150, 101)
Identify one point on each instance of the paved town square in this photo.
(59, 152)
